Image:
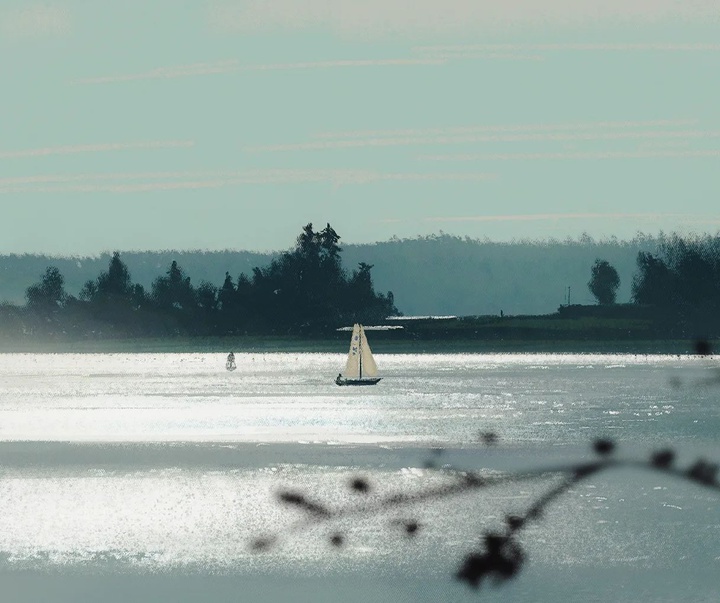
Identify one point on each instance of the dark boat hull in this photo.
(358, 381)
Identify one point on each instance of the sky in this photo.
(213, 124)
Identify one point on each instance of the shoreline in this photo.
(258, 345)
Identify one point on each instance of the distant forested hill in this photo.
(450, 275)
(430, 275)
(17, 272)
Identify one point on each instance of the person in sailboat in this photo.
(231, 358)
(339, 379)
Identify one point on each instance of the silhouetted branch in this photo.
(501, 557)
(299, 500)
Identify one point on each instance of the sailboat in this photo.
(360, 368)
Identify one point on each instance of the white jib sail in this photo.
(352, 367)
(369, 368)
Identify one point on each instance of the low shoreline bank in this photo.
(259, 345)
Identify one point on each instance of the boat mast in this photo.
(360, 334)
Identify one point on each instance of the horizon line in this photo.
(581, 238)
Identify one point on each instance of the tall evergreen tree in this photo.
(115, 301)
(45, 301)
(48, 295)
(174, 296)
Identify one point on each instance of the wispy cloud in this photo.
(686, 47)
(424, 55)
(547, 127)
(480, 51)
(483, 56)
(175, 71)
(158, 181)
(234, 66)
(555, 216)
(542, 127)
(583, 216)
(638, 154)
(488, 138)
(660, 138)
(96, 148)
(34, 20)
(412, 17)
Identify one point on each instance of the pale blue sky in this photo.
(212, 125)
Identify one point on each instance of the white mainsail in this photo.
(368, 368)
(352, 367)
(360, 362)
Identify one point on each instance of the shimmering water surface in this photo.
(143, 477)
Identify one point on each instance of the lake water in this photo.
(143, 477)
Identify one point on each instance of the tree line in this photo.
(679, 284)
(306, 290)
(439, 274)
(303, 291)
